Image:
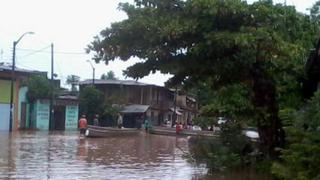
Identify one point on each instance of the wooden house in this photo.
(158, 102)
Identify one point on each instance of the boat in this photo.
(185, 132)
(98, 131)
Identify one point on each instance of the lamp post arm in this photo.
(93, 72)
(17, 41)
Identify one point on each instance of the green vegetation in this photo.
(39, 87)
(246, 62)
(92, 101)
(109, 76)
(300, 159)
(73, 80)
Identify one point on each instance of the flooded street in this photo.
(37, 155)
(64, 155)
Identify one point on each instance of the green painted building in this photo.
(65, 115)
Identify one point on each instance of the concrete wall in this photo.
(42, 115)
(4, 105)
(5, 87)
(5, 93)
(4, 117)
(71, 122)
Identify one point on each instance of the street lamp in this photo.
(93, 71)
(12, 77)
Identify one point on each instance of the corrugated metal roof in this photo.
(123, 82)
(8, 67)
(135, 108)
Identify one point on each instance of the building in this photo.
(140, 99)
(187, 107)
(65, 114)
(35, 115)
(19, 95)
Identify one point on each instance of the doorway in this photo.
(4, 117)
(59, 117)
(23, 115)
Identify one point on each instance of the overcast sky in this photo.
(70, 25)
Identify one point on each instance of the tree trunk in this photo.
(266, 106)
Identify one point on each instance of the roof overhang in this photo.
(135, 108)
(177, 111)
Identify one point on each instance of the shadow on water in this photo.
(65, 155)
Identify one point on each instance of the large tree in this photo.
(224, 43)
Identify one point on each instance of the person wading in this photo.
(119, 121)
(96, 120)
(83, 124)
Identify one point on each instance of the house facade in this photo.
(65, 114)
(158, 101)
(19, 95)
(35, 115)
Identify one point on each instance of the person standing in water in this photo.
(96, 120)
(119, 120)
(83, 124)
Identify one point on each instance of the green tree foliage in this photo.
(222, 42)
(91, 102)
(214, 154)
(300, 160)
(110, 114)
(230, 101)
(73, 80)
(232, 150)
(109, 76)
(39, 87)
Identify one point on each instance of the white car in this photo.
(196, 128)
(221, 120)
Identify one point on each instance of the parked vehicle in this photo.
(222, 120)
(196, 128)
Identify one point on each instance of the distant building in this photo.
(140, 99)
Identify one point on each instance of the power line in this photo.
(36, 51)
(24, 66)
(57, 52)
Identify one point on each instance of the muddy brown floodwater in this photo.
(64, 155)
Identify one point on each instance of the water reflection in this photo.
(39, 155)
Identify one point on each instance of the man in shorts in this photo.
(83, 124)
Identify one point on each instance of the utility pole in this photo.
(93, 74)
(12, 82)
(51, 115)
(13, 78)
